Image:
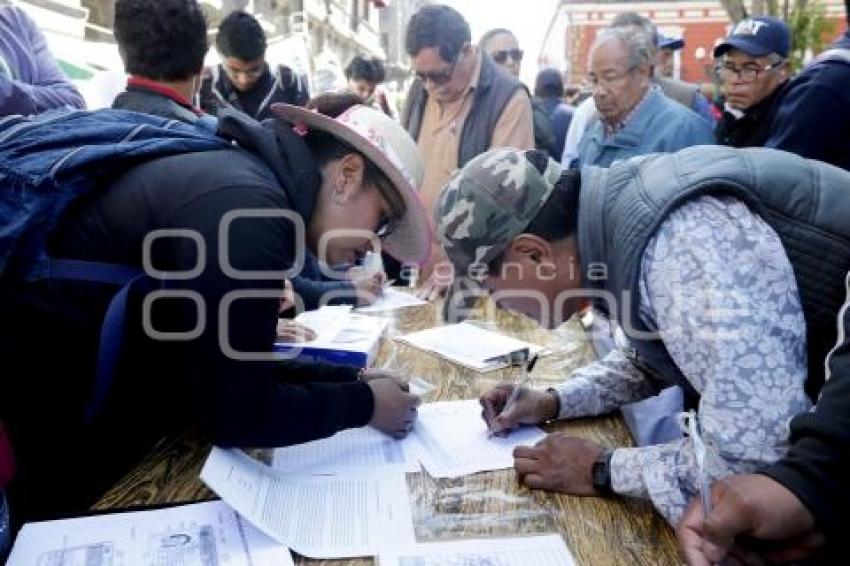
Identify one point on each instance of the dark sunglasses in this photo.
(439, 78)
(502, 55)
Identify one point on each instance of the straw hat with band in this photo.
(390, 148)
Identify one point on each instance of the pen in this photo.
(695, 432)
(524, 383)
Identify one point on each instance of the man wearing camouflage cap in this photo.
(685, 253)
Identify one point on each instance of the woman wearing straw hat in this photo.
(229, 226)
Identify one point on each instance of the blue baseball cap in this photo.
(758, 37)
(673, 43)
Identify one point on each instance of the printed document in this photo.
(338, 515)
(469, 345)
(453, 440)
(354, 447)
(198, 534)
(392, 299)
(546, 550)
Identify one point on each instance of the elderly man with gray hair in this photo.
(634, 116)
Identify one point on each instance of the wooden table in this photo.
(598, 531)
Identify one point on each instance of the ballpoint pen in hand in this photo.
(524, 383)
(690, 425)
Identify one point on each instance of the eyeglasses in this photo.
(746, 73)
(388, 221)
(439, 78)
(386, 226)
(502, 55)
(608, 77)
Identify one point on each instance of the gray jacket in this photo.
(805, 201)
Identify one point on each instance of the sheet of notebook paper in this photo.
(355, 447)
(453, 440)
(390, 300)
(338, 515)
(209, 533)
(546, 550)
(469, 345)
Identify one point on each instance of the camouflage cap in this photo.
(489, 202)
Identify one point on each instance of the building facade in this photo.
(701, 23)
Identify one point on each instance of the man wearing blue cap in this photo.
(813, 117)
(752, 65)
(665, 57)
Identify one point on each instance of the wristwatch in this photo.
(601, 472)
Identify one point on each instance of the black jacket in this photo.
(140, 99)
(281, 85)
(813, 118)
(753, 129)
(817, 468)
(50, 330)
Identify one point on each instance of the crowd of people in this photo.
(707, 239)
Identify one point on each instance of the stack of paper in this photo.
(347, 513)
(469, 345)
(342, 337)
(453, 440)
(546, 550)
(203, 534)
(352, 448)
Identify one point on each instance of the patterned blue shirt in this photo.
(716, 282)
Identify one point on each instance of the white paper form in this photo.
(469, 345)
(546, 550)
(199, 534)
(392, 299)
(321, 516)
(452, 440)
(354, 447)
(338, 327)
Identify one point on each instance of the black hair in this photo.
(333, 103)
(437, 26)
(363, 68)
(240, 35)
(326, 147)
(558, 218)
(485, 39)
(161, 39)
(549, 84)
(847, 11)
(633, 19)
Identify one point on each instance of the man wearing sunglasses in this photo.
(753, 70)
(460, 105)
(502, 46)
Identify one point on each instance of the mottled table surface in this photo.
(598, 531)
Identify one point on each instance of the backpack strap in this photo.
(113, 326)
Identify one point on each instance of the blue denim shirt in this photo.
(660, 125)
